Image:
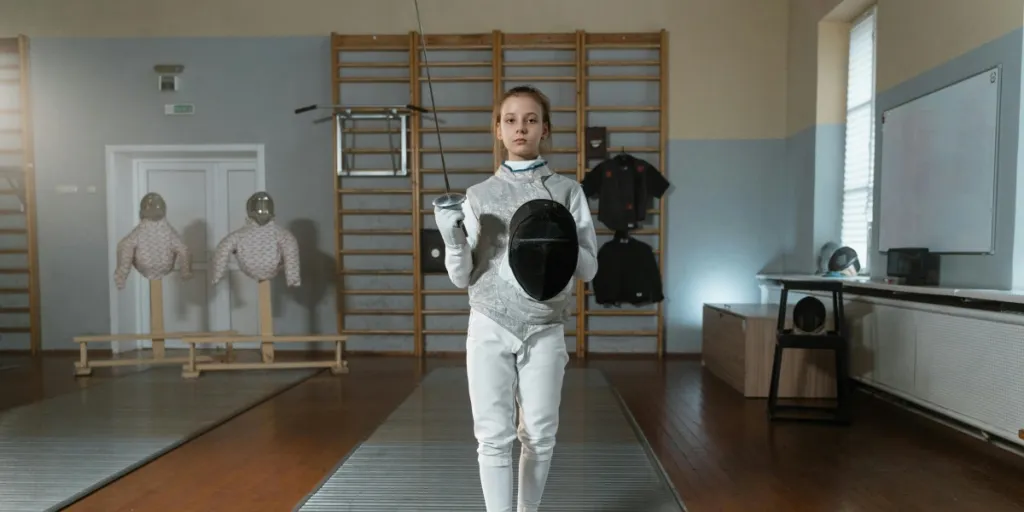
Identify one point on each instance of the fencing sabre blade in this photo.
(449, 199)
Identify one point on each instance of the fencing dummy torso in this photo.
(153, 247)
(261, 246)
(493, 290)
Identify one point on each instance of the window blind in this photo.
(859, 164)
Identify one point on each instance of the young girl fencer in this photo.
(515, 346)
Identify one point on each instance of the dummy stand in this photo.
(84, 365)
(194, 366)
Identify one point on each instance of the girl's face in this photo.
(521, 127)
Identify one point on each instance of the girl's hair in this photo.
(545, 113)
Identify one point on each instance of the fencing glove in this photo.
(449, 223)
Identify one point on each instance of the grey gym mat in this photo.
(423, 457)
(55, 452)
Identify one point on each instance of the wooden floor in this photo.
(716, 446)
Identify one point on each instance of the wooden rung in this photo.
(539, 46)
(375, 332)
(622, 38)
(10, 111)
(456, 47)
(622, 333)
(9, 66)
(621, 312)
(444, 292)
(459, 78)
(14, 311)
(622, 78)
(375, 191)
(375, 231)
(623, 63)
(370, 80)
(377, 65)
(376, 252)
(378, 312)
(13, 271)
(374, 212)
(13, 231)
(13, 291)
(541, 64)
(458, 64)
(376, 292)
(539, 79)
(624, 46)
(15, 330)
(374, 272)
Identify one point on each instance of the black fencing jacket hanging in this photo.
(627, 273)
(625, 186)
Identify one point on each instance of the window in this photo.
(859, 165)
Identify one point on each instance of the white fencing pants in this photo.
(504, 372)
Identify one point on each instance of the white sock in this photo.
(496, 482)
(533, 476)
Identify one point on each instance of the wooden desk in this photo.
(739, 344)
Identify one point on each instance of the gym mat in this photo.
(423, 457)
(57, 451)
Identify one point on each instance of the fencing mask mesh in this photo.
(543, 248)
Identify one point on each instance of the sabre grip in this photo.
(305, 109)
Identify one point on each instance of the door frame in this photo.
(121, 161)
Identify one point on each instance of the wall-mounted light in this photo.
(167, 76)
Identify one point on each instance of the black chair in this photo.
(835, 339)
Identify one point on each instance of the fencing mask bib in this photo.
(543, 248)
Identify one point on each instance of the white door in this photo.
(205, 202)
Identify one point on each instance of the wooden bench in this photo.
(194, 367)
(84, 366)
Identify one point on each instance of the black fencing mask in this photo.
(543, 248)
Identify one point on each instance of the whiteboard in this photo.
(938, 169)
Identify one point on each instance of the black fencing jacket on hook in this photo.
(625, 186)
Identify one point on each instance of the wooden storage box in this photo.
(739, 344)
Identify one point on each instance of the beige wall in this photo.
(913, 36)
(727, 57)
